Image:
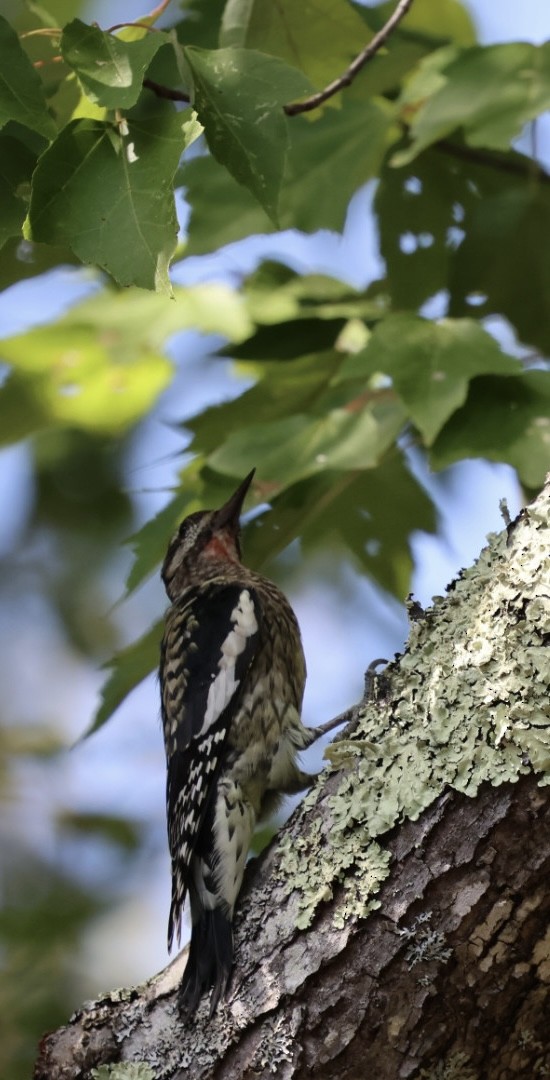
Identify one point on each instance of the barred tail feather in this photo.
(210, 960)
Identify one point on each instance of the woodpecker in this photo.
(232, 676)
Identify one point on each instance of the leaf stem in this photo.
(42, 31)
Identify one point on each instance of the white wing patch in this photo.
(224, 684)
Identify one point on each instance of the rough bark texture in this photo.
(399, 925)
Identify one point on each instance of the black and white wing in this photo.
(211, 639)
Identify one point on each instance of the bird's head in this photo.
(208, 535)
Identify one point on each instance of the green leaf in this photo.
(222, 211)
(109, 195)
(67, 375)
(20, 260)
(419, 209)
(138, 322)
(16, 165)
(300, 383)
(149, 544)
(296, 447)
(504, 419)
(298, 33)
(239, 95)
(491, 93)
(21, 94)
(432, 20)
(287, 340)
(129, 668)
(426, 209)
(430, 364)
(351, 510)
(201, 23)
(110, 70)
(274, 292)
(22, 413)
(429, 23)
(503, 265)
(328, 161)
(119, 831)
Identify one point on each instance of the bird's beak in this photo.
(230, 512)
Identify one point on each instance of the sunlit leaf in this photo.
(491, 93)
(431, 19)
(354, 511)
(126, 223)
(300, 383)
(239, 94)
(298, 33)
(326, 163)
(110, 70)
(430, 364)
(299, 446)
(67, 375)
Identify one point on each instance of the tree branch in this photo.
(492, 160)
(397, 926)
(166, 91)
(370, 50)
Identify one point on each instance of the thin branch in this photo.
(166, 91)
(347, 78)
(123, 25)
(146, 21)
(491, 159)
(44, 63)
(351, 714)
(156, 12)
(42, 31)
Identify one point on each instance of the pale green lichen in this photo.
(124, 1070)
(425, 944)
(455, 1067)
(467, 703)
(276, 1047)
(354, 861)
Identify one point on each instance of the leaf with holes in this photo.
(430, 364)
(239, 94)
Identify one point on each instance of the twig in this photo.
(353, 712)
(492, 160)
(42, 31)
(166, 91)
(347, 78)
(123, 25)
(44, 63)
(154, 14)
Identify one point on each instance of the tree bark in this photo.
(398, 925)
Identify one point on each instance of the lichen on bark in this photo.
(467, 702)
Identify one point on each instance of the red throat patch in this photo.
(222, 546)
